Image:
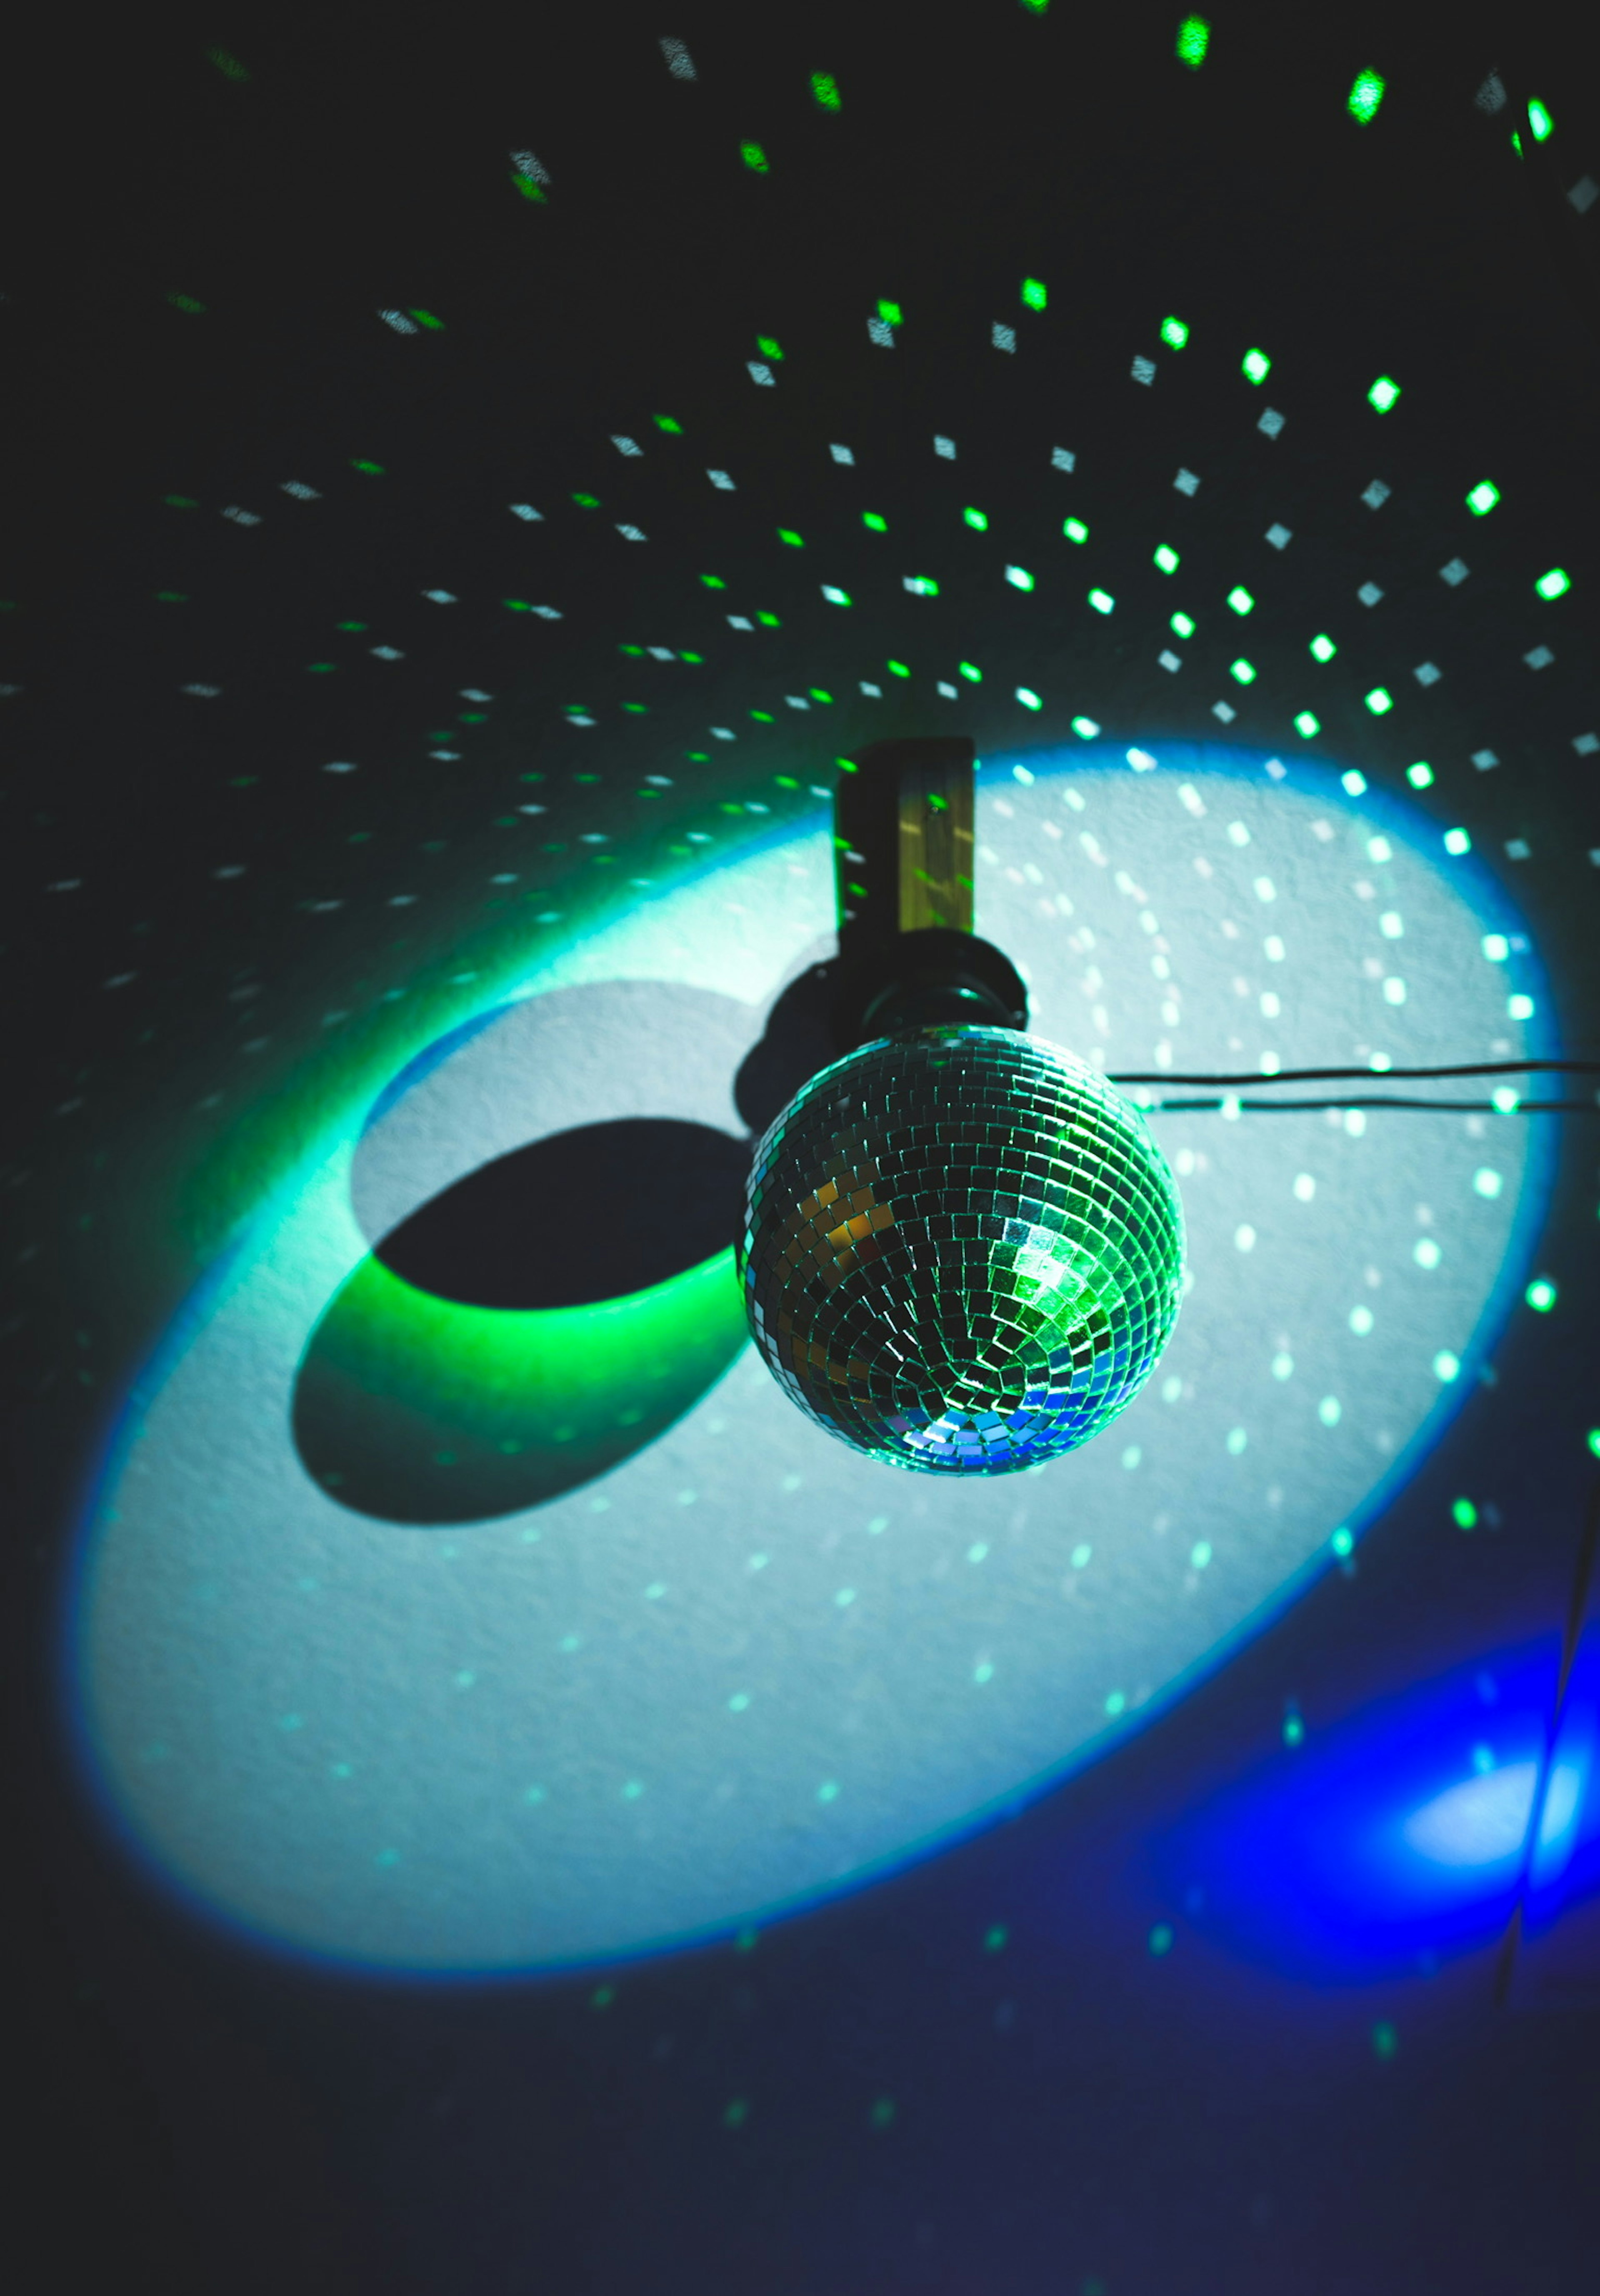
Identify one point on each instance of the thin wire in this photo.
(1381, 1100)
(1583, 1574)
(1331, 1076)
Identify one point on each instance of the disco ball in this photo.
(961, 1251)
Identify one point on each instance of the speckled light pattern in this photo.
(962, 1250)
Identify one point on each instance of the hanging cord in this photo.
(1509, 1107)
(1577, 1606)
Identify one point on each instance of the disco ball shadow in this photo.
(963, 1252)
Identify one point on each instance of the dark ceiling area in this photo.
(475, 480)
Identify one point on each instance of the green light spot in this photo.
(995, 1940)
(1323, 648)
(184, 303)
(1019, 577)
(971, 669)
(897, 669)
(1306, 726)
(882, 2112)
(976, 519)
(180, 502)
(1255, 366)
(1420, 775)
(373, 469)
(1342, 1542)
(1076, 530)
(889, 313)
(870, 518)
(1102, 600)
(753, 156)
(769, 621)
(1174, 333)
(1244, 671)
(1193, 38)
(1592, 1440)
(1240, 600)
(1366, 95)
(824, 88)
(1483, 497)
(1295, 1730)
(828, 1790)
(787, 534)
(586, 502)
(1540, 1294)
(1384, 393)
(666, 422)
(769, 347)
(1115, 1703)
(1161, 1939)
(1166, 558)
(427, 319)
(1379, 701)
(1182, 625)
(745, 1942)
(737, 2113)
(1539, 120)
(713, 582)
(1385, 2040)
(1553, 583)
(1464, 1515)
(1028, 699)
(1034, 294)
(1457, 841)
(817, 694)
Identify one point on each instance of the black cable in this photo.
(1330, 1076)
(1378, 1100)
(1589, 1546)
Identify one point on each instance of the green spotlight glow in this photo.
(1175, 334)
(1244, 671)
(1076, 530)
(753, 156)
(1102, 600)
(1034, 294)
(1540, 1294)
(1240, 600)
(1384, 393)
(1457, 841)
(1019, 577)
(1539, 120)
(1465, 1513)
(1483, 497)
(1306, 727)
(422, 1410)
(1193, 38)
(1553, 583)
(1166, 559)
(1182, 626)
(1379, 701)
(971, 669)
(977, 519)
(889, 313)
(824, 88)
(1342, 1543)
(1420, 775)
(870, 518)
(1366, 95)
(1323, 647)
(1255, 366)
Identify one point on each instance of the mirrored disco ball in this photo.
(961, 1251)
